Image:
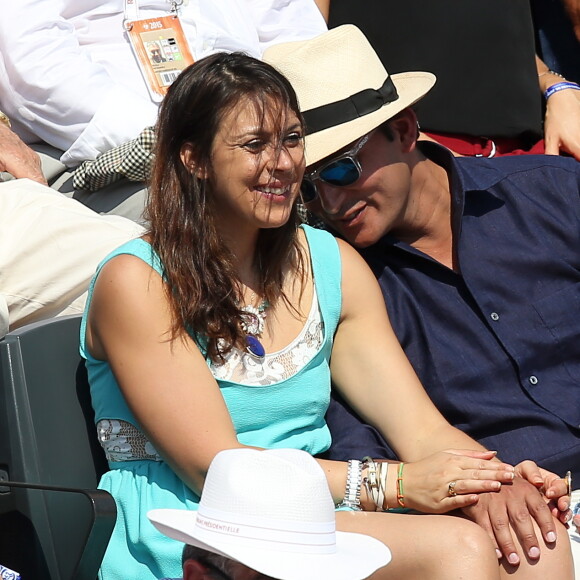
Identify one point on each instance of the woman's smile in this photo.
(275, 194)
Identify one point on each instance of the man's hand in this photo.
(562, 118)
(562, 123)
(18, 159)
(553, 487)
(515, 505)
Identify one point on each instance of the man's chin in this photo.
(357, 239)
(362, 244)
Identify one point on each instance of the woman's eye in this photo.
(255, 145)
(293, 139)
(258, 145)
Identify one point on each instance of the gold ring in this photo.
(451, 489)
(568, 480)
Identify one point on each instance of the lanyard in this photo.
(132, 9)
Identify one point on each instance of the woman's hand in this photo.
(430, 484)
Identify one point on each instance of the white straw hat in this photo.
(343, 88)
(272, 511)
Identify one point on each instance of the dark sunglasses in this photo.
(341, 171)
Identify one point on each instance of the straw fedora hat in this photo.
(343, 88)
(272, 511)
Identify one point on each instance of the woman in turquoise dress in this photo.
(222, 327)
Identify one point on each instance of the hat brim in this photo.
(357, 556)
(411, 87)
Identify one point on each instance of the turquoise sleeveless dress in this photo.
(289, 413)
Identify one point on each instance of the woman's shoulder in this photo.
(136, 251)
(317, 235)
(127, 292)
(320, 243)
(333, 257)
(126, 276)
(129, 268)
(323, 241)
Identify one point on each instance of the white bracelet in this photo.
(383, 470)
(353, 484)
(370, 481)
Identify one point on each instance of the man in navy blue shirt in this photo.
(485, 298)
(478, 259)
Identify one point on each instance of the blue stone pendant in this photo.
(255, 348)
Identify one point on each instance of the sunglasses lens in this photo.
(308, 191)
(342, 172)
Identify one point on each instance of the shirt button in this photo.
(494, 316)
(533, 380)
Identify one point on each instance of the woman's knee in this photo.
(459, 549)
(467, 540)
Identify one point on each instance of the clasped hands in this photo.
(499, 497)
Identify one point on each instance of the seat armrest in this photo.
(104, 515)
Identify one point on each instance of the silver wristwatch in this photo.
(353, 485)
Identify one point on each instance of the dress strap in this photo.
(327, 272)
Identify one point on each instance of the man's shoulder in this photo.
(473, 173)
(509, 165)
(550, 178)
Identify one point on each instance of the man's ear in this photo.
(189, 159)
(193, 570)
(405, 125)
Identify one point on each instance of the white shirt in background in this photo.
(69, 77)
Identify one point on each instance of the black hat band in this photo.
(353, 107)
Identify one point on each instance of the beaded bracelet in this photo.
(560, 87)
(400, 491)
(551, 72)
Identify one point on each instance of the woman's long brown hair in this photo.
(202, 283)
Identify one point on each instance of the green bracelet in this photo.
(400, 491)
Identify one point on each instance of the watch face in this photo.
(4, 119)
